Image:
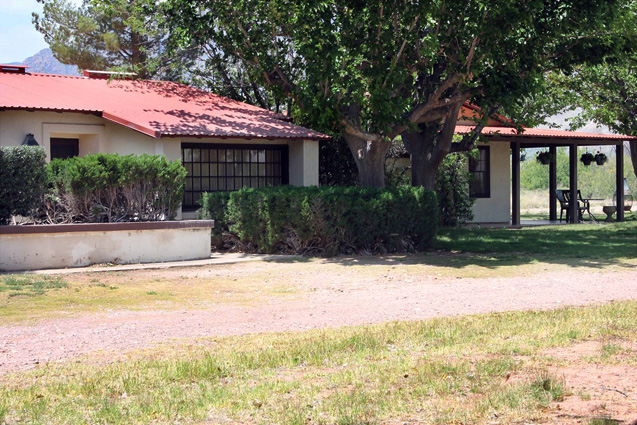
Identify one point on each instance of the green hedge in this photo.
(326, 220)
(22, 180)
(112, 188)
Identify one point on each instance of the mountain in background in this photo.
(44, 62)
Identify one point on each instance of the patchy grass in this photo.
(462, 253)
(603, 421)
(461, 370)
(29, 285)
(31, 297)
(608, 241)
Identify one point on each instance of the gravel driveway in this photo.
(325, 299)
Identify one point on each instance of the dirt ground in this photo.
(595, 389)
(326, 295)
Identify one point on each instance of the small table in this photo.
(587, 203)
(609, 210)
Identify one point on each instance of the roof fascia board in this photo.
(126, 123)
(549, 140)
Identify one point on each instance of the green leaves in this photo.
(110, 188)
(22, 180)
(325, 220)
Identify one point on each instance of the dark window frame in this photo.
(284, 167)
(473, 164)
(65, 142)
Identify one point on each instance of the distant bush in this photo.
(113, 188)
(596, 181)
(22, 180)
(326, 220)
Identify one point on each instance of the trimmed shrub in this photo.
(113, 188)
(326, 220)
(214, 205)
(22, 180)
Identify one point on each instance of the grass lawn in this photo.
(465, 370)
(458, 253)
(604, 242)
(497, 368)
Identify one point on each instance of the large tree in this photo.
(127, 35)
(606, 92)
(380, 68)
(102, 34)
(507, 55)
(608, 95)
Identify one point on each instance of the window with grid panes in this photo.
(481, 170)
(212, 168)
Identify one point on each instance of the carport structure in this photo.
(552, 139)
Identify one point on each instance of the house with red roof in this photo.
(224, 144)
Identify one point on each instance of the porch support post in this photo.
(619, 181)
(515, 184)
(553, 184)
(572, 203)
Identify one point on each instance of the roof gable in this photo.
(155, 108)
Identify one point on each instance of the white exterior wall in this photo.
(304, 163)
(98, 135)
(497, 208)
(61, 250)
(94, 133)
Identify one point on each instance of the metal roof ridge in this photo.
(43, 74)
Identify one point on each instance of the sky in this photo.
(18, 37)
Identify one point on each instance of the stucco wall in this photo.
(94, 133)
(497, 208)
(98, 135)
(75, 249)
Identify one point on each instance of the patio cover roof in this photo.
(155, 108)
(539, 137)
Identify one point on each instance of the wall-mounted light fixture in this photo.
(29, 140)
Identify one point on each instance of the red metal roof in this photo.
(540, 133)
(155, 108)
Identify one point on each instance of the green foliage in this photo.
(22, 180)
(375, 69)
(122, 35)
(455, 203)
(593, 180)
(110, 188)
(214, 206)
(326, 220)
(605, 91)
(336, 164)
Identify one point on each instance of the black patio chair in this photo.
(560, 195)
(583, 205)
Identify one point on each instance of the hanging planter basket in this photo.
(600, 158)
(587, 158)
(545, 158)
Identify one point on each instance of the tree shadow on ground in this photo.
(575, 246)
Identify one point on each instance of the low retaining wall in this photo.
(75, 245)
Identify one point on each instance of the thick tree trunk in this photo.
(426, 157)
(370, 159)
